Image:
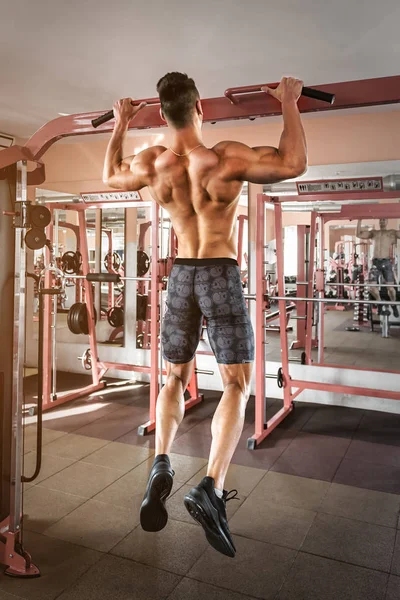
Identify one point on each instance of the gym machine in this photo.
(345, 210)
(237, 103)
(18, 227)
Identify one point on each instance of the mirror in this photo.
(361, 262)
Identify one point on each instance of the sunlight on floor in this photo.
(88, 406)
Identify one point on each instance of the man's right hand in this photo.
(288, 90)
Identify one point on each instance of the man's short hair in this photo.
(178, 95)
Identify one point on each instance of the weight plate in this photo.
(71, 262)
(77, 319)
(35, 238)
(115, 316)
(112, 261)
(280, 378)
(40, 216)
(87, 360)
(143, 263)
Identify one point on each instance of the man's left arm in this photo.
(397, 233)
(130, 174)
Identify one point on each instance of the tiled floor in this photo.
(317, 519)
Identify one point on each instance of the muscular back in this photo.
(383, 240)
(200, 200)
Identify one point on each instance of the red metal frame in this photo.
(99, 368)
(349, 94)
(241, 221)
(292, 388)
(18, 565)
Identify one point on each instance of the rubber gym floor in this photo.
(318, 515)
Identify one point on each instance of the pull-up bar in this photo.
(231, 94)
(307, 92)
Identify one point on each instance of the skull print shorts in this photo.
(208, 288)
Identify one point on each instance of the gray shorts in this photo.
(209, 288)
(381, 266)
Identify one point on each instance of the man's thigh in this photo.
(387, 271)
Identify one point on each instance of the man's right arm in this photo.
(363, 235)
(267, 164)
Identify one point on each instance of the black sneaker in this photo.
(209, 511)
(395, 311)
(153, 514)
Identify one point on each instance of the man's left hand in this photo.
(125, 111)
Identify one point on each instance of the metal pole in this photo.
(260, 333)
(54, 315)
(310, 287)
(7, 236)
(89, 300)
(98, 254)
(321, 313)
(334, 300)
(388, 285)
(280, 262)
(18, 356)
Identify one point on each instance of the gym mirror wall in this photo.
(361, 263)
(106, 240)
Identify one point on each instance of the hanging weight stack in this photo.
(77, 319)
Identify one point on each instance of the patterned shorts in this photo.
(209, 288)
(381, 266)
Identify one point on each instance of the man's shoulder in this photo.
(230, 149)
(151, 153)
(146, 158)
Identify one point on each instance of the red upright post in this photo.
(155, 313)
(89, 299)
(321, 292)
(47, 349)
(241, 219)
(260, 323)
(282, 305)
(301, 279)
(310, 289)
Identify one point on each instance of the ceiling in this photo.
(80, 56)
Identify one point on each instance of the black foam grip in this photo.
(103, 119)
(103, 277)
(318, 95)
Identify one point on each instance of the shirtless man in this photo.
(200, 187)
(383, 239)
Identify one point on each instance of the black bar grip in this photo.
(103, 277)
(318, 95)
(103, 119)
